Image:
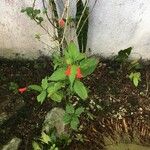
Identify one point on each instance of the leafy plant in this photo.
(69, 69)
(33, 14)
(72, 116)
(132, 67)
(120, 60)
(135, 78)
(66, 82)
(123, 55)
(45, 141)
(135, 75)
(71, 66)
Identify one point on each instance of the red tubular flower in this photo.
(68, 71)
(61, 23)
(22, 90)
(79, 74)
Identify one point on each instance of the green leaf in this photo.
(73, 51)
(80, 89)
(79, 111)
(41, 97)
(135, 81)
(67, 118)
(59, 74)
(80, 57)
(50, 89)
(88, 66)
(54, 87)
(73, 74)
(135, 77)
(39, 19)
(57, 97)
(58, 86)
(69, 61)
(57, 60)
(74, 122)
(45, 138)
(131, 76)
(36, 146)
(123, 55)
(35, 87)
(66, 54)
(127, 51)
(70, 109)
(44, 83)
(53, 147)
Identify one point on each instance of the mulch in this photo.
(113, 92)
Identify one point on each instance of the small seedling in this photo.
(123, 55)
(45, 141)
(135, 78)
(72, 116)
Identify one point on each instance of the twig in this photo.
(33, 5)
(86, 18)
(82, 14)
(46, 44)
(43, 1)
(67, 16)
(147, 83)
(44, 28)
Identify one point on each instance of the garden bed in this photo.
(119, 112)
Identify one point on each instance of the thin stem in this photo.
(44, 28)
(65, 28)
(43, 1)
(82, 14)
(147, 83)
(86, 19)
(33, 5)
(46, 44)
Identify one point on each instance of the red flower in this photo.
(61, 23)
(22, 90)
(79, 74)
(68, 71)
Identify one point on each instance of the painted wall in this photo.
(119, 24)
(114, 25)
(17, 31)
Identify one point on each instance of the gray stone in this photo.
(12, 145)
(54, 119)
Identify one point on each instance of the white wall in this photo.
(114, 25)
(119, 24)
(17, 31)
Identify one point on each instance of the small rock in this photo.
(12, 145)
(54, 119)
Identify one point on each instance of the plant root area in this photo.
(118, 113)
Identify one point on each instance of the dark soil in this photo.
(114, 93)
